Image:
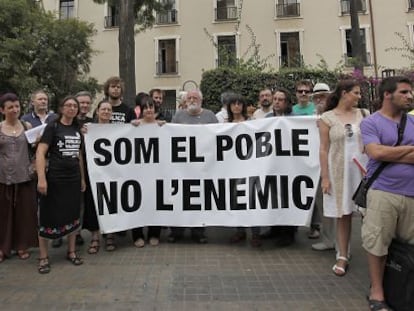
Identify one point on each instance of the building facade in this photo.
(198, 35)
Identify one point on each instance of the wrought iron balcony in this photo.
(166, 68)
(361, 6)
(288, 9)
(111, 21)
(168, 17)
(226, 13)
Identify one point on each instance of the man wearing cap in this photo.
(304, 107)
(320, 95)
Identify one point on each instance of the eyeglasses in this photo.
(70, 106)
(303, 91)
(348, 130)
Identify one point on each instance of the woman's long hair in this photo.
(343, 85)
(236, 98)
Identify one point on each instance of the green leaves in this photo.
(39, 51)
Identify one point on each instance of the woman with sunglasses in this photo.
(340, 146)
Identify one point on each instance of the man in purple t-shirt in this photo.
(390, 200)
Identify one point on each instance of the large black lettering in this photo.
(161, 206)
(188, 194)
(175, 149)
(236, 193)
(122, 151)
(297, 142)
(136, 195)
(146, 152)
(111, 200)
(263, 147)
(244, 141)
(270, 190)
(98, 147)
(278, 144)
(297, 193)
(193, 152)
(284, 191)
(218, 195)
(224, 143)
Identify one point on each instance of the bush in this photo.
(249, 83)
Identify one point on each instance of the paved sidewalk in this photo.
(186, 276)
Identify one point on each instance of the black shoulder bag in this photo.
(360, 195)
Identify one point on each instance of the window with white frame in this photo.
(410, 5)
(226, 50)
(112, 16)
(169, 15)
(66, 9)
(290, 49)
(361, 6)
(348, 48)
(225, 10)
(287, 8)
(167, 56)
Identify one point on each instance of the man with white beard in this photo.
(193, 114)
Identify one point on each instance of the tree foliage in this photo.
(132, 13)
(39, 51)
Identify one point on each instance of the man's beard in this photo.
(193, 107)
(265, 103)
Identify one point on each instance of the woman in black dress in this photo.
(61, 185)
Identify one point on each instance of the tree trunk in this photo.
(126, 40)
(356, 40)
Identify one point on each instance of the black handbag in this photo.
(360, 195)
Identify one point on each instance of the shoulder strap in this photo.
(364, 114)
(401, 129)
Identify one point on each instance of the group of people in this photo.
(352, 144)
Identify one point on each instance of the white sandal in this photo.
(336, 268)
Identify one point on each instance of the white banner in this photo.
(256, 173)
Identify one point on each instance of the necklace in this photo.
(13, 128)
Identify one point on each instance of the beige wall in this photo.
(319, 24)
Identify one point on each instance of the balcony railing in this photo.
(287, 9)
(168, 17)
(349, 61)
(226, 13)
(291, 62)
(166, 68)
(111, 21)
(361, 6)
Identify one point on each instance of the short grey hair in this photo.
(195, 91)
(84, 93)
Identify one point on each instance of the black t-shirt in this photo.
(64, 143)
(122, 114)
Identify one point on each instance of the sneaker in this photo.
(139, 243)
(322, 246)
(154, 241)
(57, 243)
(79, 240)
(314, 233)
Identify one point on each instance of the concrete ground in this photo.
(187, 276)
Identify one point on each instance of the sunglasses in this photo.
(303, 91)
(348, 130)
